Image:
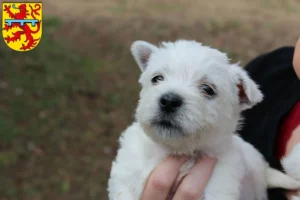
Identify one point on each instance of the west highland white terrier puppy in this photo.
(190, 103)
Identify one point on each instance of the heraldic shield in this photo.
(22, 25)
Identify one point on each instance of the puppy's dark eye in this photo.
(208, 90)
(157, 79)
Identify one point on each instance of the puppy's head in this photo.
(190, 90)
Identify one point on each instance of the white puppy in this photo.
(190, 103)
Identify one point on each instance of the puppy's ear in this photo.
(141, 52)
(247, 90)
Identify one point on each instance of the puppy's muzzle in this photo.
(170, 102)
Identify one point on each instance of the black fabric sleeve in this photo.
(275, 75)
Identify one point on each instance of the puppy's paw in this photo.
(295, 198)
(290, 162)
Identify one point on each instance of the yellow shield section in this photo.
(22, 25)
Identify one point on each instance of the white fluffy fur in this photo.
(291, 164)
(206, 126)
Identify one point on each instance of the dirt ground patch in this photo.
(273, 22)
(70, 105)
(178, 11)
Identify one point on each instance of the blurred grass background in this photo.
(64, 104)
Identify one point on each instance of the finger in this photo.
(162, 178)
(193, 185)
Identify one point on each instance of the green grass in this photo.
(38, 108)
(38, 81)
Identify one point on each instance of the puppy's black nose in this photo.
(170, 102)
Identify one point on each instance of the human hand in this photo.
(191, 187)
(296, 61)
